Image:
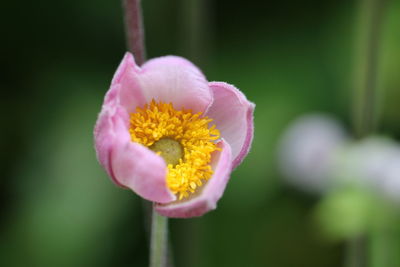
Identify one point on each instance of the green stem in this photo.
(196, 30)
(381, 248)
(366, 95)
(355, 252)
(134, 31)
(368, 46)
(158, 242)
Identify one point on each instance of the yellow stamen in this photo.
(182, 138)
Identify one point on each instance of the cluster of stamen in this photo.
(184, 139)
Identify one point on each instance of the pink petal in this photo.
(176, 80)
(233, 115)
(129, 164)
(103, 136)
(125, 87)
(136, 167)
(210, 193)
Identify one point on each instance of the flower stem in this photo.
(382, 248)
(366, 67)
(134, 29)
(196, 29)
(366, 96)
(158, 242)
(355, 252)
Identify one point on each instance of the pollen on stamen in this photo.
(184, 140)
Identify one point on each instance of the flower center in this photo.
(169, 149)
(183, 139)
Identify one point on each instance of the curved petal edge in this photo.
(233, 115)
(212, 191)
(125, 89)
(173, 79)
(130, 165)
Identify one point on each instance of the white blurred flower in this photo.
(307, 151)
(315, 155)
(373, 163)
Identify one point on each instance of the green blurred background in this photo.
(58, 208)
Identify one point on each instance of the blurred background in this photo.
(58, 208)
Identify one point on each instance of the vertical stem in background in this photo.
(365, 98)
(196, 42)
(158, 245)
(134, 29)
(196, 29)
(355, 252)
(368, 44)
(383, 247)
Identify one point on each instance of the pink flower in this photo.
(170, 136)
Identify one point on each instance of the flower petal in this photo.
(129, 164)
(233, 115)
(210, 193)
(136, 167)
(125, 87)
(103, 136)
(176, 80)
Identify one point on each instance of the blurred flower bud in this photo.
(357, 210)
(373, 163)
(307, 151)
